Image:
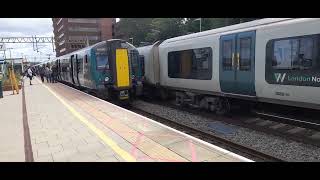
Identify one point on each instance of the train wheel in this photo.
(222, 106)
(163, 94)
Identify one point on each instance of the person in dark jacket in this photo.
(54, 74)
(48, 74)
(42, 73)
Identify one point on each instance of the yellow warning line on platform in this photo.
(113, 145)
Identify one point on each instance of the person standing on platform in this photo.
(54, 74)
(30, 74)
(50, 75)
(42, 73)
(47, 73)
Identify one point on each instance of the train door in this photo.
(141, 61)
(72, 59)
(237, 63)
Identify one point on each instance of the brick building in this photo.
(71, 34)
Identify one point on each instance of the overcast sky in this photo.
(22, 27)
(26, 27)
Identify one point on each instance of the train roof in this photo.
(251, 24)
(83, 49)
(149, 46)
(94, 45)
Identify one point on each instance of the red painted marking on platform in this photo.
(135, 144)
(155, 159)
(150, 135)
(167, 160)
(91, 107)
(193, 151)
(145, 124)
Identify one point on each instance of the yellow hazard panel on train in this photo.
(122, 66)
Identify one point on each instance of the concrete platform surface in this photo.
(11, 128)
(68, 125)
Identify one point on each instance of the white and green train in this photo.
(104, 68)
(274, 60)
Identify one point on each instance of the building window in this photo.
(60, 28)
(84, 29)
(80, 38)
(62, 50)
(74, 20)
(61, 35)
(77, 46)
(190, 64)
(59, 21)
(62, 42)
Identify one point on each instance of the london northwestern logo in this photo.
(280, 77)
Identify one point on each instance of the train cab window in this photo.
(245, 54)
(227, 55)
(190, 64)
(102, 61)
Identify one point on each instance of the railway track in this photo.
(292, 119)
(295, 129)
(211, 138)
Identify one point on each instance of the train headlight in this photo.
(106, 79)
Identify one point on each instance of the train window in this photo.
(227, 55)
(293, 61)
(245, 54)
(294, 53)
(141, 59)
(86, 58)
(134, 55)
(190, 64)
(102, 61)
(80, 60)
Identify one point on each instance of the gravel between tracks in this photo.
(280, 147)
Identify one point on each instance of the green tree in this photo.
(153, 29)
(164, 28)
(135, 28)
(192, 26)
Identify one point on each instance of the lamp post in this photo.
(12, 63)
(22, 68)
(199, 19)
(10, 51)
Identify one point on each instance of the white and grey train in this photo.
(273, 60)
